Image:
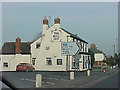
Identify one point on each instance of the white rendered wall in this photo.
(13, 61)
(54, 51)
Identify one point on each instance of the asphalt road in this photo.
(61, 79)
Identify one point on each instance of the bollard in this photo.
(38, 80)
(88, 72)
(72, 75)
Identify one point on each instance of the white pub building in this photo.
(47, 53)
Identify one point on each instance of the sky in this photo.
(95, 22)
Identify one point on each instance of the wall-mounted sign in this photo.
(56, 35)
(69, 48)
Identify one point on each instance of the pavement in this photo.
(97, 79)
(2, 85)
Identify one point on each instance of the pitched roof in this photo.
(95, 50)
(9, 48)
(74, 36)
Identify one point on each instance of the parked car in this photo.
(25, 67)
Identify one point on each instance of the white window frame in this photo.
(58, 63)
(47, 60)
(34, 60)
(37, 44)
(3, 64)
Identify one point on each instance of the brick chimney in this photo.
(57, 23)
(45, 25)
(93, 45)
(18, 45)
(45, 21)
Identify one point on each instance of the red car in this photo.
(25, 67)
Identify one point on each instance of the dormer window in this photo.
(38, 45)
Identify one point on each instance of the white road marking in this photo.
(50, 83)
(54, 78)
(35, 80)
(29, 80)
(22, 79)
(87, 85)
(66, 86)
(51, 78)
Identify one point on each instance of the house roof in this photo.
(71, 35)
(95, 50)
(74, 36)
(9, 48)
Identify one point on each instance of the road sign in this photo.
(69, 48)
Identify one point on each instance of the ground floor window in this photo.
(75, 63)
(33, 61)
(89, 62)
(59, 61)
(86, 63)
(48, 61)
(83, 62)
(5, 64)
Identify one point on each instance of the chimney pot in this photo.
(57, 21)
(93, 45)
(45, 21)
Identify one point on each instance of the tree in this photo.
(116, 58)
(92, 56)
(111, 61)
(105, 61)
(119, 58)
